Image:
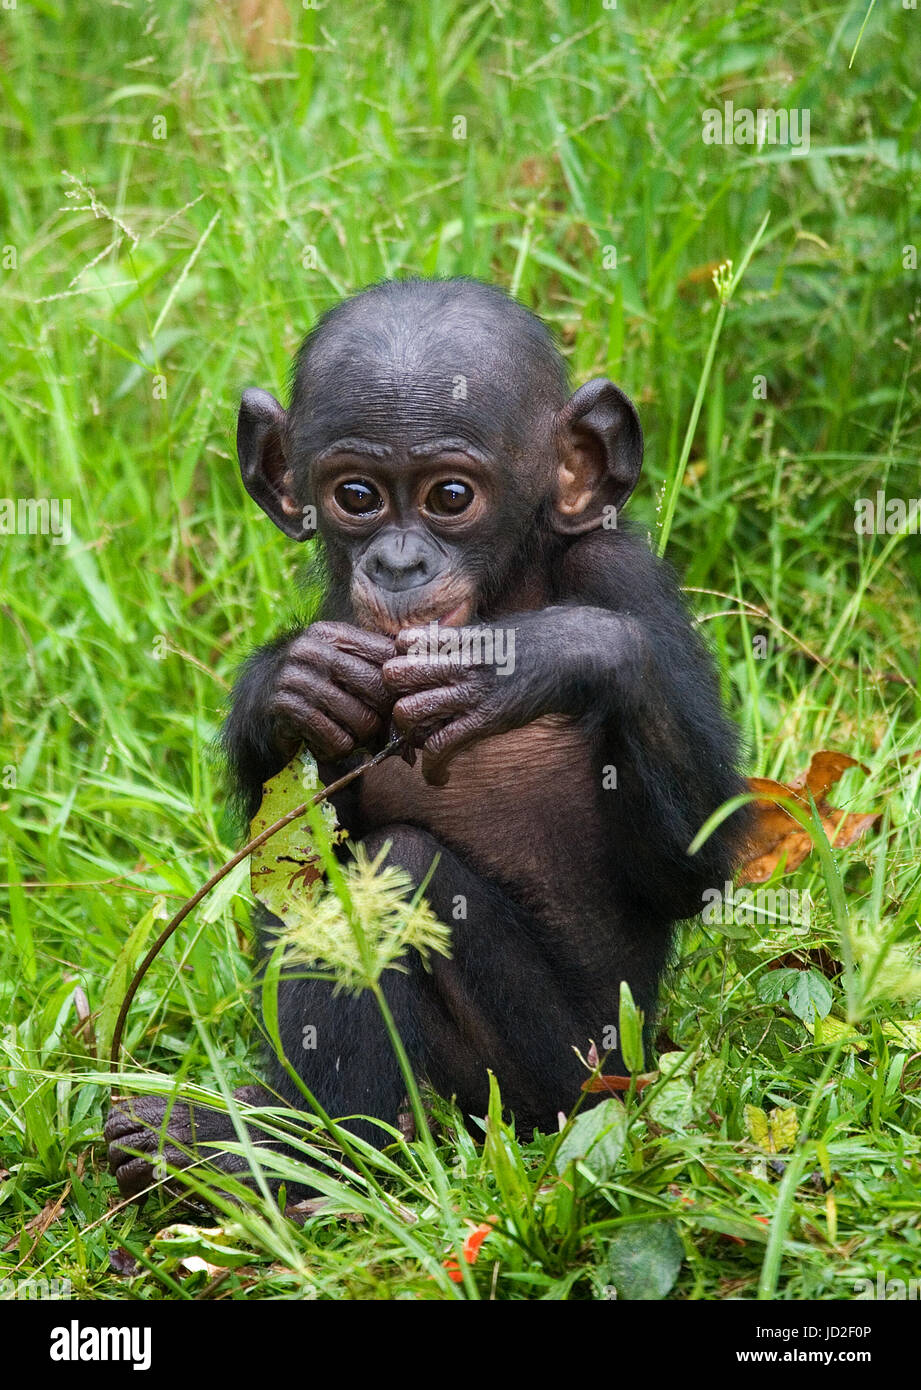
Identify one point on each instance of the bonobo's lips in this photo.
(450, 604)
(421, 617)
(401, 611)
(456, 618)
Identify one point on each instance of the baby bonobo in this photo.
(567, 761)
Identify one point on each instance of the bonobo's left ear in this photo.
(266, 475)
(600, 443)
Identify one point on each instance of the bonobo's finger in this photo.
(344, 709)
(361, 674)
(135, 1128)
(408, 673)
(425, 706)
(323, 736)
(361, 678)
(443, 746)
(370, 646)
(135, 1113)
(463, 646)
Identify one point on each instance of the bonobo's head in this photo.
(431, 437)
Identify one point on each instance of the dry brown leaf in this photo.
(37, 1225)
(777, 836)
(262, 28)
(808, 958)
(533, 171)
(700, 275)
(616, 1085)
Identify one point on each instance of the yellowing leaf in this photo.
(784, 1129)
(286, 866)
(830, 1030)
(756, 1123)
(775, 1132)
(904, 1031)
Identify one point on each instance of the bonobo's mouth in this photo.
(457, 617)
(390, 613)
(390, 624)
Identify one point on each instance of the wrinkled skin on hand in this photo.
(147, 1135)
(329, 690)
(459, 685)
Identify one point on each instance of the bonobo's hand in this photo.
(458, 685)
(329, 691)
(454, 686)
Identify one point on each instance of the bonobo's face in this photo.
(429, 439)
(413, 474)
(416, 517)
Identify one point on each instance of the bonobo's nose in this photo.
(399, 562)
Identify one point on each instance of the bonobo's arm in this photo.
(320, 685)
(471, 683)
(677, 756)
(618, 654)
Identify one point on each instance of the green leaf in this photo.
(287, 865)
(596, 1136)
(727, 1225)
(213, 1244)
(630, 1030)
(810, 996)
(122, 972)
(707, 1083)
(643, 1260)
(671, 1104)
(20, 919)
(503, 1155)
(774, 984)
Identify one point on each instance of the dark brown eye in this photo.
(447, 499)
(358, 499)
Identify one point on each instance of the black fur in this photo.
(570, 887)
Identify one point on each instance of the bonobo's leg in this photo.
(501, 1002)
(510, 999)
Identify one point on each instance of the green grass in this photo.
(151, 279)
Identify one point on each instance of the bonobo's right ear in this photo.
(266, 475)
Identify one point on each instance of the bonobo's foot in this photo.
(136, 1123)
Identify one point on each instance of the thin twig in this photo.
(394, 746)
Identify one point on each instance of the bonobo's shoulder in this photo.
(617, 568)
